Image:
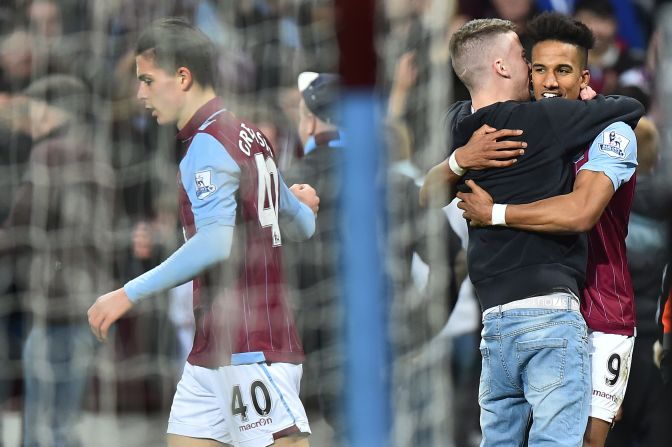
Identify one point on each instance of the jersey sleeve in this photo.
(297, 220)
(206, 248)
(614, 152)
(210, 178)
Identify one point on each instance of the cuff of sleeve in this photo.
(615, 181)
(132, 291)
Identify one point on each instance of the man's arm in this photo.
(575, 123)
(611, 161)
(210, 178)
(210, 245)
(482, 151)
(575, 212)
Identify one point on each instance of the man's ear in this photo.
(585, 78)
(501, 69)
(313, 124)
(185, 78)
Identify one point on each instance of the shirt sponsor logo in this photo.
(204, 186)
(260, 423)
(614, 144)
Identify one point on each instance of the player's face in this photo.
(557, 70)
(159, 91)
(519, 67)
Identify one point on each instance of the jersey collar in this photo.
(210, 107)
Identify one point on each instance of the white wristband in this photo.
(452, 163)
(499, 214)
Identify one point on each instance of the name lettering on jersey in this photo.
(247, 136)
(204, 186)
(614, 144)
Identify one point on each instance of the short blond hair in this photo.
(469, 45)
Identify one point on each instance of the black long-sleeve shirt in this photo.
(506, 264)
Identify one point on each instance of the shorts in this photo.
(610, 359)
(241, 405)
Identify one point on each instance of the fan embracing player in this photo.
(600, 204)
(240, 385)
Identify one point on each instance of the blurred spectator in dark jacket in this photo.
(316, 269)
(60, 220)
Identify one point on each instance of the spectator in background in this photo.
(316, 261)
(422, 285)
(647, 252)
(610, 57)
(61, 218)
(517, 11)
(663, 346)
(18, 61)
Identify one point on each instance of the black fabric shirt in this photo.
(506, 264)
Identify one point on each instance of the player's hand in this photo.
(106, 310)
(477, 205)
(483, 150)
(307, 195)
(587, 93)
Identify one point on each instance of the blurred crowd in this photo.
(101, 207)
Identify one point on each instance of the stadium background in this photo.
(398, 284)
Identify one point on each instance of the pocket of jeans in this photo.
(543, 362)
(484, 382)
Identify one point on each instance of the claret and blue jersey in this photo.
(608, 297)
(233, 204)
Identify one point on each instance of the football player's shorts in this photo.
(242, 405)
(610, 359)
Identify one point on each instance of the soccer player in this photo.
(534, 349)
(240, 384)
(599, 203)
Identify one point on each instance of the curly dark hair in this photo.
(556, 26)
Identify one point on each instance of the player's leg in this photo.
(610, 359)
(263, 405)
(292, 441)
(596, 432)
(196, 417)
(186, 441)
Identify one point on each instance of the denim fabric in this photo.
(535, 365)
(56, 361)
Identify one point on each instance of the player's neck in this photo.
(196, 98)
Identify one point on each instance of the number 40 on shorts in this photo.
(258, 392)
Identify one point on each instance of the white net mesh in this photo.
(88, 210)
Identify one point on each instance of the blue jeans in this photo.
(535, 365)
(56, 360)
